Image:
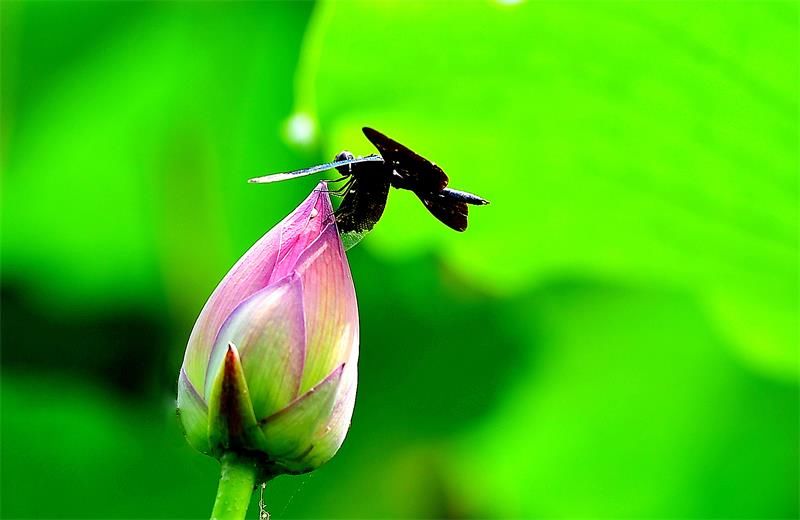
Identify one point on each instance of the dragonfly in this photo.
(367, 181)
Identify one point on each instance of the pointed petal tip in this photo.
(231, 365)
(231, 421)
(323, 203)
(335, 374)
(231, 357)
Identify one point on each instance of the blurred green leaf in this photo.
(71, 451)
(645, 142)
(126, 171)
(632, 410)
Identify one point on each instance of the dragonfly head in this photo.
(344, 155)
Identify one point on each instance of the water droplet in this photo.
(300, 129)
(314, 213)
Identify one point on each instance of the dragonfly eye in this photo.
(344, 156)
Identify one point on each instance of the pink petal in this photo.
(267, 261)
(331, 311)
(269, 330)
(296, 236)
(328, 439)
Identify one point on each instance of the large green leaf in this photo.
(650, 142)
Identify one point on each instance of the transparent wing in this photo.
(277, 177)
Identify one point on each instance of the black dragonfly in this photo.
(367, 181)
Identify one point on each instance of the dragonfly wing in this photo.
(419, 172)
(453, 213)
(277, 177)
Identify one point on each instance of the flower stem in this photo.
(236, 483)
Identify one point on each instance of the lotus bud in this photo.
(270, 367)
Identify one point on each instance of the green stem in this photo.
(236, 482)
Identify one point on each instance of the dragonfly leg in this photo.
(343, 177)
(342, 189)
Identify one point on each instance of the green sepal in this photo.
(193, 414)
(232, 425)
(290, 433)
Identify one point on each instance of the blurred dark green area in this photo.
(616, 336)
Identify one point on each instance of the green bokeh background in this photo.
(615, 336)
